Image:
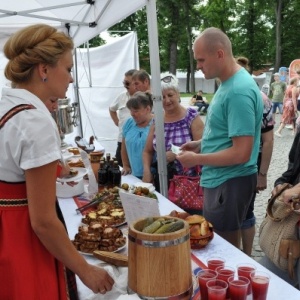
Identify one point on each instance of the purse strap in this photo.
(274, 196)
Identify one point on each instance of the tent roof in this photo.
(82, 19)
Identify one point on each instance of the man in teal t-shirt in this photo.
(230, 143)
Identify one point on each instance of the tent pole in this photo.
(157, 96)
(76, 91)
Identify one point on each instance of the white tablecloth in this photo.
(278, 289)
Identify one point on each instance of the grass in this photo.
(208, 96)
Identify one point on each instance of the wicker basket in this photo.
(199, 243)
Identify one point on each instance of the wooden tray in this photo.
(117, 259)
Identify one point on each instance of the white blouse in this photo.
(29, 139)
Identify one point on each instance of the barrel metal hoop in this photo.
(159, 244)
(173, 297)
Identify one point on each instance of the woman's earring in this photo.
(44, 79)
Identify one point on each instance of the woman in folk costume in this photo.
(37, 259)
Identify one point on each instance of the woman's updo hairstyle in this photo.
(140, 99)
(32, 45)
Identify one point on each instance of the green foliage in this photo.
(94, 42)
(290, 32)
(250, 24)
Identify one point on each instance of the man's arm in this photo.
(114, 116)
(266, 154)
(293, 166)
(193, 100)
(238, 153)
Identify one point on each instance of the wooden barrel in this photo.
(159, 265)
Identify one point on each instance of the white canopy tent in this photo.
(100, 73)
(83, 20)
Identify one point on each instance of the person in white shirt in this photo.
(119, 111)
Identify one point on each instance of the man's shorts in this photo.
(226, 205)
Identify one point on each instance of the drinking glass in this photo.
(238, 287)
(215, 262)
(245, 270)
(223, 273)
(216, 289)
(260, 283)
(203, 276)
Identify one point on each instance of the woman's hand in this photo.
(97, 279)
(291, 193)
(126, 170)
(170, 156)
(147, 177)
(275, 189)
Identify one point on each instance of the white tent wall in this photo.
(206, 85)
(100, 72)
(84, 20)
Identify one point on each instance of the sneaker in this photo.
(289, 126)
(278, 134)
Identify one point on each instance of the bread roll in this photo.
(195, 219)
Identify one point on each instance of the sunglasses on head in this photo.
(167, 79)
(126, 83)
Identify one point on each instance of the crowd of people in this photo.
(233, 147)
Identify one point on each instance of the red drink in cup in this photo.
(203, 277)
(215, 262)
(260, 283)
(224, 273)
(216, 289)
(246, 270)
(238, 287)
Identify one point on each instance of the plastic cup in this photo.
(224, 273)
(216, 289)
(215, 262)
(245, 270)
(260, 284)
(238, 287)
(204, 276)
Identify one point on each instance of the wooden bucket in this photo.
(159, 265)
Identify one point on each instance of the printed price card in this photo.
(138, 207)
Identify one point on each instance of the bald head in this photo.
(214, 39)
(213, 53)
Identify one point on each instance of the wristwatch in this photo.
(262, 174)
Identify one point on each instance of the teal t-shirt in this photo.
(235, 110)
(135, 139)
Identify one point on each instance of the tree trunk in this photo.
(190, 87)
(174, 39)
(278, 13)
(173, 57)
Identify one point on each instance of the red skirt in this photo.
(27, 269)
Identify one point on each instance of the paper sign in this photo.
(138, 207)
